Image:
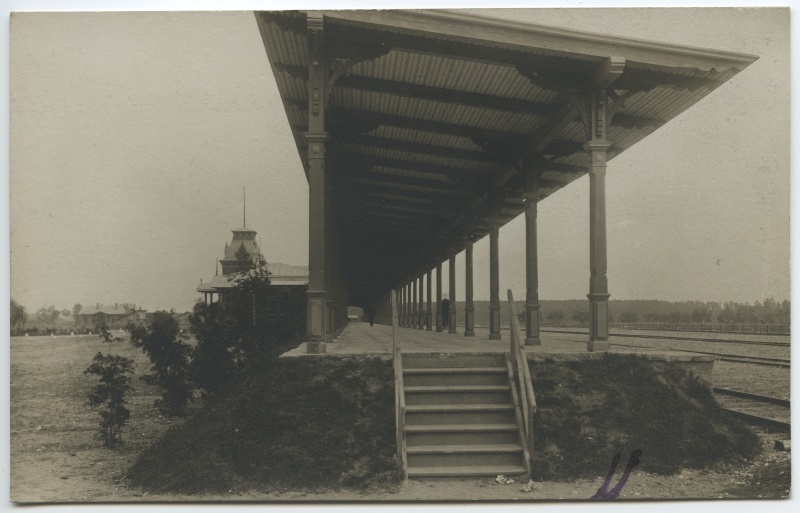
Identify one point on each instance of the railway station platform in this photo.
(359, 338)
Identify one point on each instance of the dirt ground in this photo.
(55, 459)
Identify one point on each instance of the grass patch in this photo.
(626, 402)
(303, 423)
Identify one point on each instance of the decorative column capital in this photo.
(531, 195)
(597, 145)
(316, 144)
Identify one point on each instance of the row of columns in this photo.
(415, 308)
(327, 298)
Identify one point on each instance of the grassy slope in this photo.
(317, 423)
(627, 403)
(311, 423)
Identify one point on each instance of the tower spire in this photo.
(244, 207)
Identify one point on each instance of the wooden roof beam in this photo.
(425, 149)
(375, 182)
(455, 174)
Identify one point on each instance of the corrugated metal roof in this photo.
(446, 106)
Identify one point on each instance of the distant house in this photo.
(137, 317)
(115, 316)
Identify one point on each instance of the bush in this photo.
(252, 326)
(114, 375)
(165, 345)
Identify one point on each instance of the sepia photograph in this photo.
(396, 255)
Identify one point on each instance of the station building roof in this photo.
(431, 112)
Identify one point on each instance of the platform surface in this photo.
(359, 338)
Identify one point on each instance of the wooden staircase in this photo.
(461, 416)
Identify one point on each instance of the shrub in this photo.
(253, 325)
(167, 350)
(114, 375)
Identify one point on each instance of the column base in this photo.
(438, 329)
(315, 347)
(599, 345)
(494, 336)
(533, 341)
(469, 333)
(451, 331)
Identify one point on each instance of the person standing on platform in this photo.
(445, 313)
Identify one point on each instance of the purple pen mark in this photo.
(602, 492)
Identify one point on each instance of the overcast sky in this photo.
(132, 135)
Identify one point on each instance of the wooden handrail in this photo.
(522, 375)
(518, 416)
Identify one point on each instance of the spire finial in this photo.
(244, 206)
(216, 267)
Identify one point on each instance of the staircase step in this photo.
(443, 376)
(457, 388)
(456, 370)
(461, 434)
(460, 455)
(465, 449)
(453, 360)
(467, 471)
(432, 414)
(462, 428)
(431, 408)
(458, 394)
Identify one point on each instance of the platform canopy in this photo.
(431, 117)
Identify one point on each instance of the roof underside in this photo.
(431, 112)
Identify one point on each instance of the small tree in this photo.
(114, 374)
(255, 324)
(48, 315)
(165, 345)
(18, 316)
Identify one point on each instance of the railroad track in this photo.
(752, 408)
(740, 358)
(670, 337)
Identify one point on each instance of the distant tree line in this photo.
(575, 312)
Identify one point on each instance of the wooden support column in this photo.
(597, 121)
(406, 301)
(418, 311)
(402, 307)
(408, 305)
(315, 140)
(452, 287)
(494, 282)
(421, 303)
(531, 196)
(414, 304)
(469, 306)
(439, 297)
(428, 312)
(598, 282)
